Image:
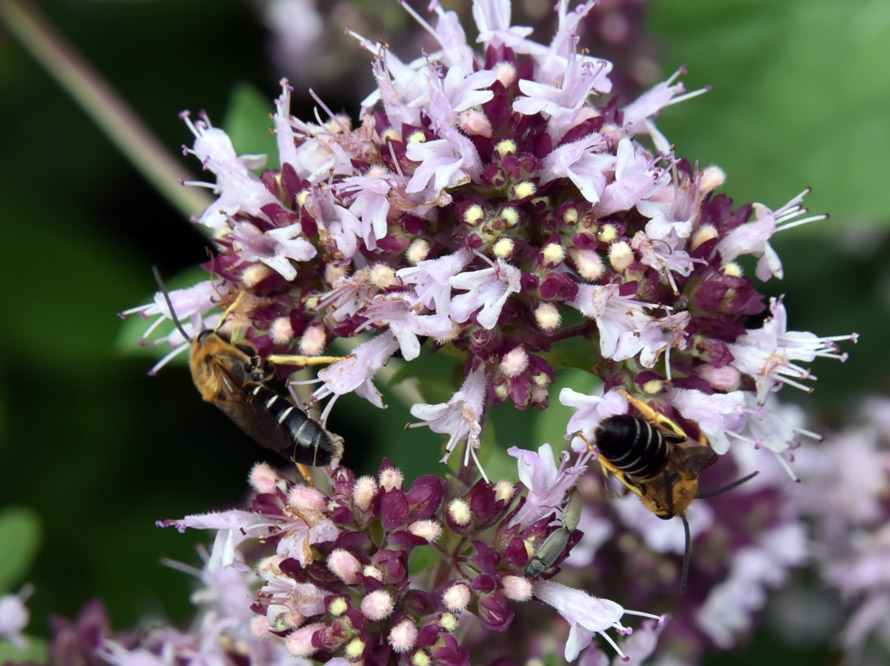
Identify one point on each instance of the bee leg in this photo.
(288, 359)
(228, 311)
(655, 417)
(306, 474)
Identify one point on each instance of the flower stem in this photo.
(102, 104)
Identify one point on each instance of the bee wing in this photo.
(608, 468)
(691, 460)
(258, 412)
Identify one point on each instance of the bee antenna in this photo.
(687, 554)
(728, 486)
(166, 293)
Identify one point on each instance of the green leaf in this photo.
(800, 93)
(437, 375)
(19, 538)
(35, 652)
(248, 124)
(89, 278)
(422, 558)
(497, 463)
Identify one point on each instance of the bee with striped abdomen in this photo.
(233, 377)
(656, 460)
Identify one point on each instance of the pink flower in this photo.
(768, 354)
(487, 289)
(460, 417)
(587, 616)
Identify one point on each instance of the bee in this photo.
(555, 543)
(656, 460)
(233, 377)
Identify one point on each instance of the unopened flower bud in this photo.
(299, 643)
(391, 478)
(588, 263)
(607, 233)
(712, 178)
(547, 316)
(377, 605)
(371, 571)
(337, 606)
(426, 529)
(390, 134)
(653, 386)
(259, 627)
(524, 190)
(510, 215)
(283, 618)
(263, 479)
(269, 567)
(733, 269)
(418, 251)
(726, 378)
(459, 512)
(313, 340)
(448, 621)
(403, 636)
(364, 491)
(281, 331)
(473, 215)
(702, 235)
(620, 256)
(254, 274)
(344, 565)
(506, 73)
(505, 147)
(333, 272)
(517, 588)
(553, 254)
(504, 491)
(457, 597)
(474, 122)
(354, 649)
(305, 498)
(514, 362)
(503, 249)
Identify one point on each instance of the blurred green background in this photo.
(93, 451)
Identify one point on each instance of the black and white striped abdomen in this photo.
(632, 445)
(290, 431)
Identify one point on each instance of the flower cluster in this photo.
(375, 573)
(847, 502)
(487, 203)
(299, 34)
(745, 543)
(504, 207)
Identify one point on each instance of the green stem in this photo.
(102, 104)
